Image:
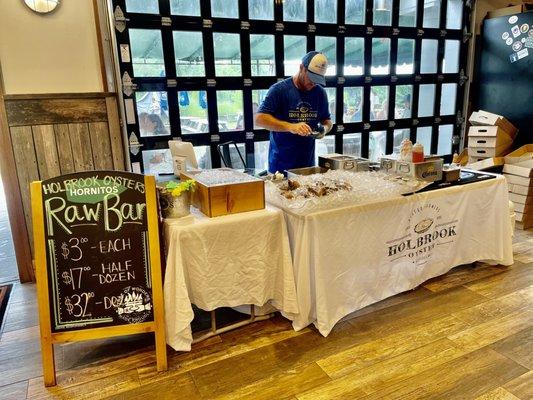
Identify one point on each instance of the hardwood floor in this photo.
(465, 335)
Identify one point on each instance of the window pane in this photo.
(294, 10)
(185, 7)
(351, 144)
(324, 146)
(426, 100)
(227, 54)
(431, 14)
(402, 107)
(355, 12)
(225, 8)
(447, 99)
(380, 56)
(147, 52)
(189, 53)
(405, 57)
(331, 92)
(428, 62)
(423, 136)
(203, 156)
(454, 14)
(157, 162)
(152, 111)
(326, 11)
(262, 52)
(261, 9)
(294, 48)
(232, 157)
(376, 145)
(354, 56)
(193, 112)
(445, 140)
(451, 57)
(407, 13)
(142, 6)
(353, 104)
(328, 46)
(379, 103)
(383, 12)
(257, 98)
(399, 136)
(261, 155)
(230, 108)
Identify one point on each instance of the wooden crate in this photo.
(231, 198)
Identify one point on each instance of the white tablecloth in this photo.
(348, 258)
(225, 262)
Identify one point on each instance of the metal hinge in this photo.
(369, 30)
(172, 83)
(366, 126)
(311, 28)
(420, 32)
(120, 19)
(415, 122)
(247, 82)
(341, 80)
(466, 36)
(128, 87)
(134, 144)
(463, 78)
(207, 23)
(215, 138)
(395, 32)
(341, 29)
(166, 21)
(211, 83)
(280, 27)
(245, 25)
(249, 135)
(392, 124)
(340, 128)
(459, 119)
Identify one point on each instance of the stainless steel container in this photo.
(344, 162)
(294, 173)
(429, 171)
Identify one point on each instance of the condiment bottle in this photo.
(418, 153)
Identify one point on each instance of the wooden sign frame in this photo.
(49, 338)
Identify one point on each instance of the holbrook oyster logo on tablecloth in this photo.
(425, 231)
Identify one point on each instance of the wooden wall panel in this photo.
(115, 134)
(64, 149)
(101, 146)
(49, 135)
(46, 151)
(27, 168)
(55, 111)
(81, 147)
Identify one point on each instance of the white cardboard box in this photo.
(488, 136)
(486, 118)
(518, 198)
(523, 153)
(519, 189)
(524, 208)
(518, 180)
(524, 168)
(488, 151)
(480, 164)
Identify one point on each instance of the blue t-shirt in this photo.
(285, 102)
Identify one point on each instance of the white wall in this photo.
(55, 53)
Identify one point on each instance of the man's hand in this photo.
(301, 129)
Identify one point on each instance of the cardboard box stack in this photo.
(489, 138)
(518, 170)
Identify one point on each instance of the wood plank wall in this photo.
(59, 134)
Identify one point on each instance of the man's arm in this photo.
(327, 124)
(273, 124)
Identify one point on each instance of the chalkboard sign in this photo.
(98, 232)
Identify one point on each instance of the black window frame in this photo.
(172, 84)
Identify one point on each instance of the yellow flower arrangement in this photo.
(176, 189)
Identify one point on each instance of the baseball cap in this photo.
(316, 64)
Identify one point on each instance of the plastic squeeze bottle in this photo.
(418, 153)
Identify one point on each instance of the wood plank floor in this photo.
(465, 335)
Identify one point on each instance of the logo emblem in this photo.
(135, 306)
(517, 46)
(423, 225)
